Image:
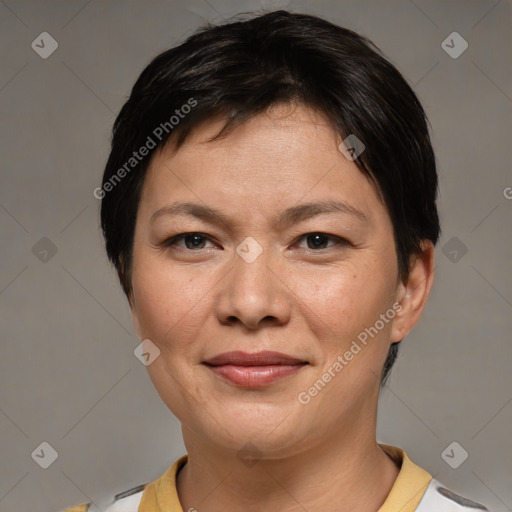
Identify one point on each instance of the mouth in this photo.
(254, 370)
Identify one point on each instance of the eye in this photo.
(319, 240)
(192, 241)
(196, 241)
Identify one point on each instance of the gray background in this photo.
(68, 375)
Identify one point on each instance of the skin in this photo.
(196, 301)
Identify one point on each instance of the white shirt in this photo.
(437, 498)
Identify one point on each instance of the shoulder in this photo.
(437, 497)
(126, 501)
(129, 501)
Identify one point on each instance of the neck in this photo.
(346, 472)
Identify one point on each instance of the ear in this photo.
(129, 295)
(135, 316)
(413, 294)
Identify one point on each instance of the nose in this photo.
(253, 294)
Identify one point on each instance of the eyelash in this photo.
(171, 242)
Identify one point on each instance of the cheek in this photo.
(168, 303)
(170, 309)
(344, 299)
(341, 312)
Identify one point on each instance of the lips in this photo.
(254, 370)
(256, 359)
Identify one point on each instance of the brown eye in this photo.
(317, 241)
(192, 241)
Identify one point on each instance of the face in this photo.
(253, 295)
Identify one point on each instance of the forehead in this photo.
(288, 154)
(278, 133)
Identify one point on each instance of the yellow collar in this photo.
(410, 485)
(161, 495)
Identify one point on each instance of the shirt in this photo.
(414, 490)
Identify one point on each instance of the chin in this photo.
(273, 430)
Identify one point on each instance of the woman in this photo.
(269, 204)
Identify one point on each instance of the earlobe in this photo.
(413, 294)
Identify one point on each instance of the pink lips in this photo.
(254, 370)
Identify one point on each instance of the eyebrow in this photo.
(290, 216)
